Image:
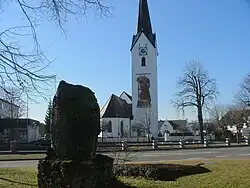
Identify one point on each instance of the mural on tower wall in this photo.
(144, 98)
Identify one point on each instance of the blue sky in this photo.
(95, 52)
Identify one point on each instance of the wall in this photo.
(134, 133)
(33, 133)
(178, 138)
(151, 70)
(8, 110)
(245, 131)
(116, 127)
(18, 134)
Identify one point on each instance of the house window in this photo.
(143, 61)
(109, 129)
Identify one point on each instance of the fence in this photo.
(134, 146)
(176, 138)
(120, 139)
(168, 145)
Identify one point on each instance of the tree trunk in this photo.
(200, 119)
(223, 132)
(12, 135)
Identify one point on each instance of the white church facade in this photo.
(136, 115)
(116, 117)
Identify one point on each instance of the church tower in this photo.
(144, 73)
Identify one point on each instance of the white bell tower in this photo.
(144, 74)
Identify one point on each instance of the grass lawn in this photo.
(18, 177)
(231, 173)
(18, 156)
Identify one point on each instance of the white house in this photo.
(174, 126)
(8, 110)
(245, 131)
(21, 130)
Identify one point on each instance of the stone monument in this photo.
(72, 160)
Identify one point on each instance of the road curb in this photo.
(170, 149)
(22, 152)
(32, 159)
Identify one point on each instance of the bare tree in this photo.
(144, 122)
(237, 115)
(26, 70)
(242, 97)
(216, 113)
(120, 157)
(105, 127)
(197, 90)
(16, 107)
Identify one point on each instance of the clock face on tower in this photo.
(143, 51)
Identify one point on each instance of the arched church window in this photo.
(109, 126)
(143, 61)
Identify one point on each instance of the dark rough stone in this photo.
(85, 174)
(72, 161)
(62, 174)
(75, 122)
(50, 154)
(163, 172)
(104, 170)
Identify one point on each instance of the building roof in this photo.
(144, 24)
(116, 107)
(180, 125)
(129, 96)
(160, 123)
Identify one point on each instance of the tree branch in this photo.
(196, 88)
(26, 71)
(242, 97)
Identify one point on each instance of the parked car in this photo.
(42, 143)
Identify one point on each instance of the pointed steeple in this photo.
(144, 23)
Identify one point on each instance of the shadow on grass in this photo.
(162, 172)
(187, 170)
(17, 182)
(119, 184)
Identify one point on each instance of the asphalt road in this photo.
(158, 156)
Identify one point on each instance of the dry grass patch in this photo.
(18, 177)
(228, 173)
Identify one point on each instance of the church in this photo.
(136, 115)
